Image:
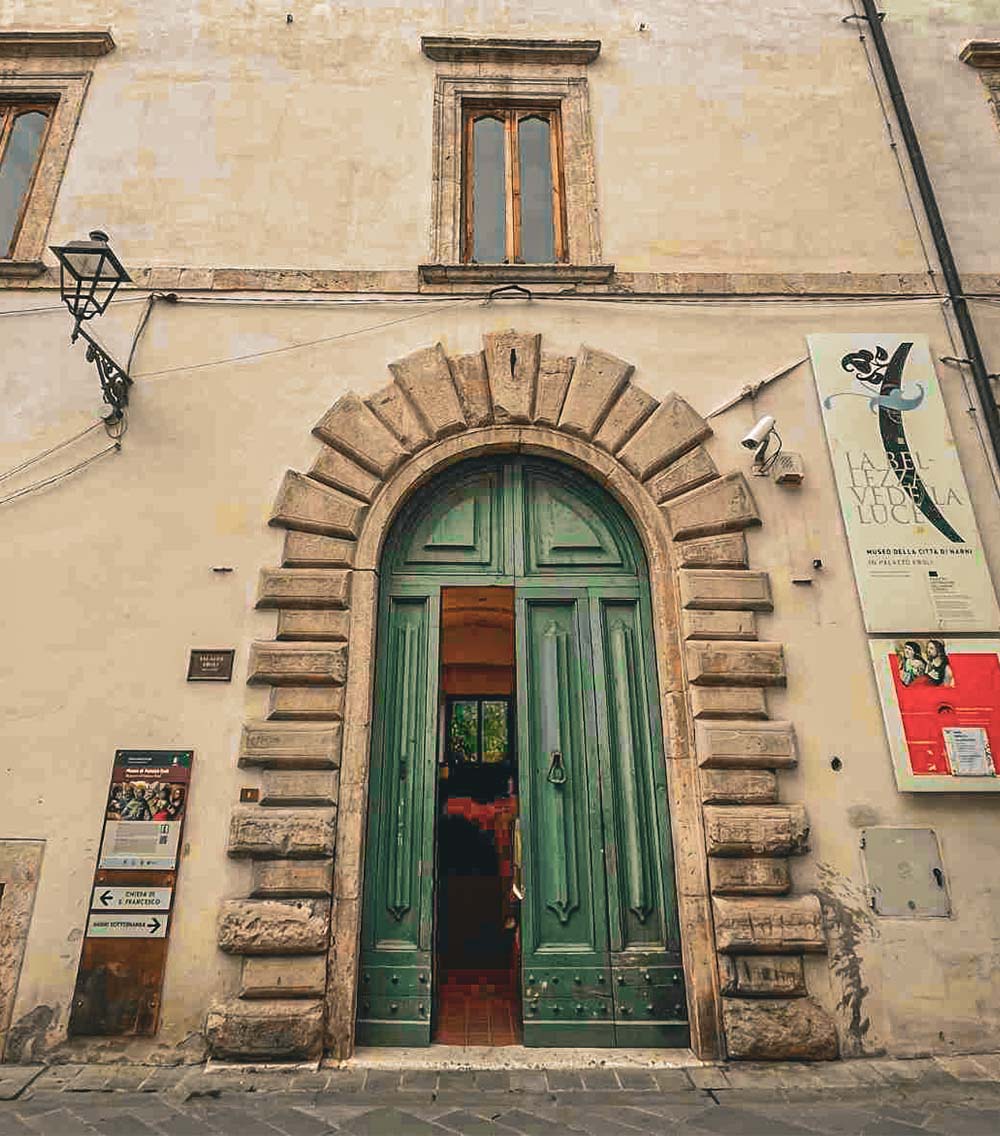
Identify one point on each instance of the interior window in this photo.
(513, 186)
(22, 132)
(478, 731)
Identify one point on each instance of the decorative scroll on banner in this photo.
(917, 553)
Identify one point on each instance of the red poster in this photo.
(949, 703)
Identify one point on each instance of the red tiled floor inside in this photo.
(477, 1008)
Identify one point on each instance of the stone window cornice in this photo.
(468, 49)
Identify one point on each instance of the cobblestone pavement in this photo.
(950, 1097)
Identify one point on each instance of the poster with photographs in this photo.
(941, 703)
(144, 814)
(917, 553)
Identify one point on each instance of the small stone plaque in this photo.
(211, 666)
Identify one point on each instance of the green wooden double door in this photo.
(599, 936)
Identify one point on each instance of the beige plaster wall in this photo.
(729, 137)
(950, 110)
(108, 583)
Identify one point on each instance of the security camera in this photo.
(759, 434)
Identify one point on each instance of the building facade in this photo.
(446, 324)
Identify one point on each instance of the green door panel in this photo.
(460, 531)
(599, 933)
(563, 916)
(644, 931)
(564, 528)
(395, 987)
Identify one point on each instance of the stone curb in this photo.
(186, 1082)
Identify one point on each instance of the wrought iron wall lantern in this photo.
(89, 276)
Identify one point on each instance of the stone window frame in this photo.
(452, 92)
(984, 56)
(45, 67)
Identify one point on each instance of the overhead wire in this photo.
(116, 429)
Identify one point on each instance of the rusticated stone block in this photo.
(289, 787)
(746, 745)
(553, 381)
(302, 745)
(285, 1030)
(303, 588)
(304, 703)
(473, 387)
(274, 927)
(705, 589)
(281, 833)
(512, 365)
(720, 625)
(761, 976)
(597, 380)
(728, 702)
(735, 664)
(750, 877)
(306, 505)
(739, 786)
(688, 472)
(341, 472)
(756, 830)
(426, 379)
(298, 664)
(633, 407)
(352, 428)
(778, 1029)
(273, 879)
(769, 926)
(729, 550)
(396, 411)
(297, 976)
(725, 505)
(313, 625)
(311, 550)
(672, 429)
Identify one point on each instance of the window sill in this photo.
(25, 269)
(516, 273)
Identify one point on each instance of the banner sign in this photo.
(915, 545)
(124, 956)
(134, 926)
(941, 704)
(145, 810)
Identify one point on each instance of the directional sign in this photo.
(130, 898)
(140, 925)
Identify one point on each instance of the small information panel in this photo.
(211, 666)
(132, 897)
(941, 704)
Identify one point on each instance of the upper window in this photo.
(23, 128)
(514, 190)
(512, 185)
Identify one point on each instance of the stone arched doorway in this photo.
(743, 936)
(515, 695)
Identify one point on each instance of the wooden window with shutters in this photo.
(24, 127)
(513, 198)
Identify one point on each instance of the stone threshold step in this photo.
(514, 1057)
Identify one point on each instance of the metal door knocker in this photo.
(557, 771)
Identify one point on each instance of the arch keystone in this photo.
(512, 366)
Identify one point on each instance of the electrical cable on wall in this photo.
(114, 428)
